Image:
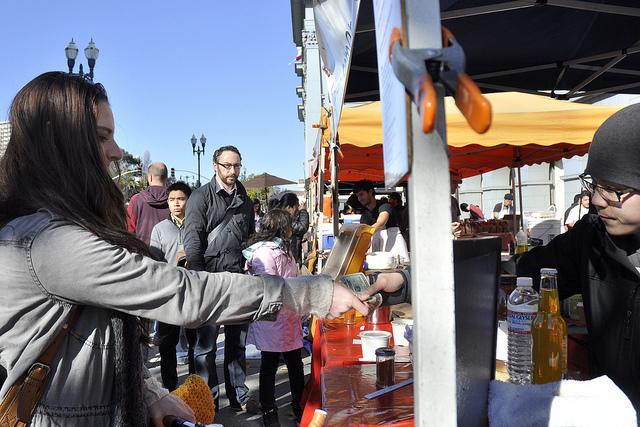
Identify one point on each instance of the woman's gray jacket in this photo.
(50, 264)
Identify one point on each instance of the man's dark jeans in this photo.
(235, 365)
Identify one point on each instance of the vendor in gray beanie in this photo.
(600, 256)
(614, 155)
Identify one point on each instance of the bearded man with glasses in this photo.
(600, 256)
(219, 219)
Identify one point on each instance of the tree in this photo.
(127, 173)
(253, 193)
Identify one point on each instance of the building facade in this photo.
(5, 131)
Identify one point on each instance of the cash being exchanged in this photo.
(374, 301)
(358, 282)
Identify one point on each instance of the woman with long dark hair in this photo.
(299, 217)
(257, 213)
(269, 252)
(64, 244)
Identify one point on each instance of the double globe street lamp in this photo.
(198, 151)
(91, 52)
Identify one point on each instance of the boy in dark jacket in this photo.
(600, 256)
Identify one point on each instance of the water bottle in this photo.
(522, 307)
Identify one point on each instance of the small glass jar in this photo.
(385, 366)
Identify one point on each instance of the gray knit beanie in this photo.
(614, 154)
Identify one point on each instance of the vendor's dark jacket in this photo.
(206, 209)
(588, 262)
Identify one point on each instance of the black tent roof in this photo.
(585, 47)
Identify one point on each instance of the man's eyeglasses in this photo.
(228, 166)
(613, 196)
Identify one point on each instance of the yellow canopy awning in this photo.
(526, 129)
(518, 119)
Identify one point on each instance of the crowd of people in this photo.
(76, 259)
(220, 229)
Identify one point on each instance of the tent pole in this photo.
(520, 199)
(334, 189)
(320, 216)
(512, 178)
(434, 339)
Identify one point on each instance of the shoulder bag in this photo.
(19, 404)
(225, 220)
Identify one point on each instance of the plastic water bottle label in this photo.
(519, 320)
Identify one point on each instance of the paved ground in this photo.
(230, 418)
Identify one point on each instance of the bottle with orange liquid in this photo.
(549, 332)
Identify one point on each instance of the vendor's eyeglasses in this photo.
(613, 196)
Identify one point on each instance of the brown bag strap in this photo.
(50, 352)
(18, 405)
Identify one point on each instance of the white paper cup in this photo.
(398, 331)
(373, 340)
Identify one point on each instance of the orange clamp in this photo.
(475, 107)
(427, 103)
(396, 36)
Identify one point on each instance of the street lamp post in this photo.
(198, 151)
(91, 52)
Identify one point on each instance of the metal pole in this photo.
(432, 289)
(198, 167)
(320, 217)
(334, 190)
(520, 199)
(512, 177)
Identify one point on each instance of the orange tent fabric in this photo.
(526, 129)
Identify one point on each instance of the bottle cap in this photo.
(524, 281)
(385, 351)
(548, 271)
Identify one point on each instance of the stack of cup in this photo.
(399, 327)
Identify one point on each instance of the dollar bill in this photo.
(358, 282)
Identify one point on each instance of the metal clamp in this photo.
(418, 69)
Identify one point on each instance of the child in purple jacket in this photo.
(269, 253)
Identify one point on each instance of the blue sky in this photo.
(172, 69)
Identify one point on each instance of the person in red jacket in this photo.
(149, 207)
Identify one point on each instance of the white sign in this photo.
(335, 29)
(388, 14)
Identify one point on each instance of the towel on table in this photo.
(597, 402)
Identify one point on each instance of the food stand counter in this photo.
(339, 381)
